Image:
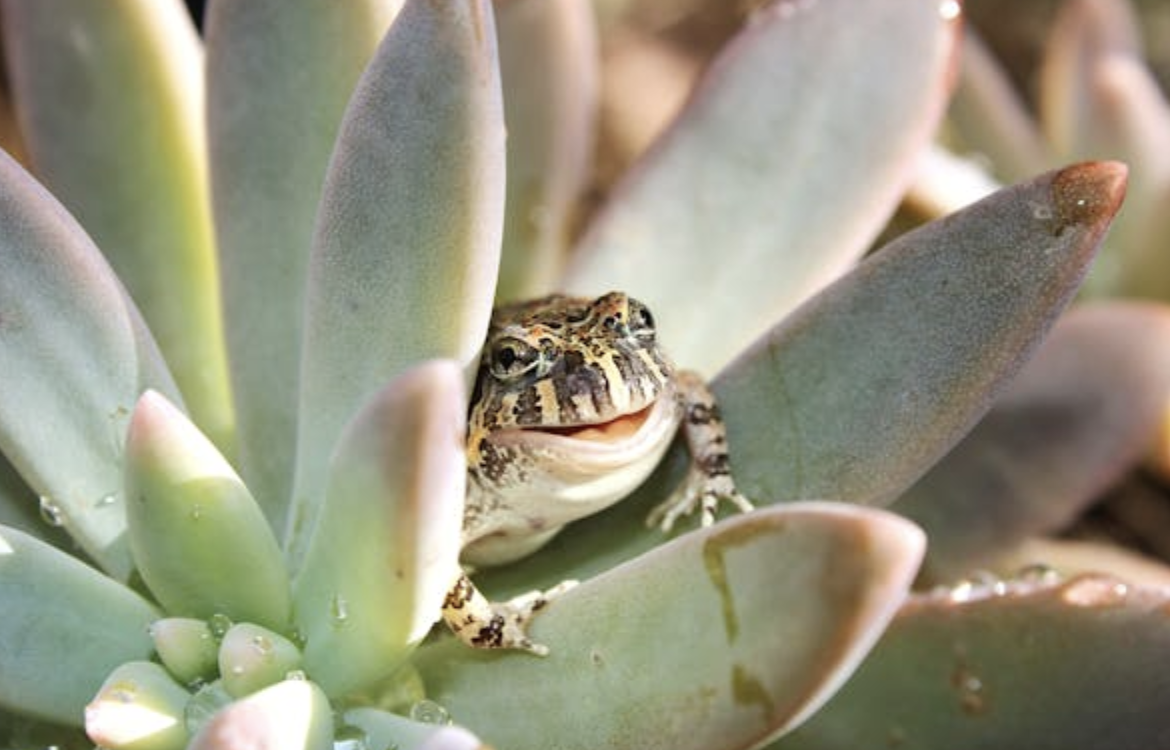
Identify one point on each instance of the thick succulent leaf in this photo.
(382, 729)
(75, 356)
(859, 392)
(549, 66)
(721, 638)
(187, 648)
(1078, 665)
(1082, 412)
(386, 547)
(991, 117)
(110, 100)
(747, 197)
(290, 715)
(251, 658)
(408, 237)
(200, 541)
(139, 707)
(862, 389)
(279, 74)
(65, 626)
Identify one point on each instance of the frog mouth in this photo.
(620, 428)
(617, 439)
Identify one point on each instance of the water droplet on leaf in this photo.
(1095, 591)
(51, 513)
(219, 624)
(338, 609)
(429, 712)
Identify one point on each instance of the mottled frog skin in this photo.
(574, 405)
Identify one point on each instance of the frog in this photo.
(575, 403)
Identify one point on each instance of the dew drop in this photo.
(338, 609)
(297, 675)
(1038, 574)
(237, 670)
(196, 512)
(219, 624)
(106, 501)
(51, 513)
(262, 645)
(429, 712)
(980, 585)
(1095, 591)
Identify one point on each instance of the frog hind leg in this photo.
(496, 625)
(709, 479)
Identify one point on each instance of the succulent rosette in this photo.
(234, 436)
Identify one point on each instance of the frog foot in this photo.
(701, 491)
(494, 625)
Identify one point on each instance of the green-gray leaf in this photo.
(1084, 411)
(110, 101)
(408, 236)
(720, 639)
(279, 74)
(787, 162)
(1070, 667)
(65, 626)
(75, 356)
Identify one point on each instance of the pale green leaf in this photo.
(382, 729)
(791, 155)
(408, 237)
(1077, 666)
(110, 101)
(720, 639)
(75, 356)
(1084, 411)
(200, 541)
(279, 74)
(65, 626)
(290, 715)
(139, 707)
(386, 547)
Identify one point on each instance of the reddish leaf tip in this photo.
(1089, 193)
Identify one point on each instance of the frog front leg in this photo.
(709, 478)
(484, 624)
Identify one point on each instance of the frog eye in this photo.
(510, 358)
(641, 321)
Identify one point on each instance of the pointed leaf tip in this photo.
(1088, 193)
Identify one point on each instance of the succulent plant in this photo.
(1092, 406)
(264, 570)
